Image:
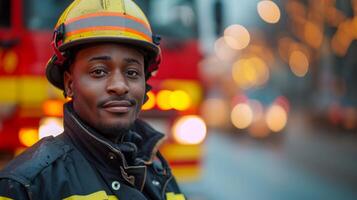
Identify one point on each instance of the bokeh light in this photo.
(189, 130)
(276, 118)
(250, 72)
(53, 108)
(313, 34)
(299, 63)
(210, 114)
(242, 73)
(242, 116)
(268, 11)
(236, 36)
(163, 99)
(150, 103)
(223, 51)
(180, 100)
(10, 62)
(28, 136)
(50, 126)
(261, 69)
(284, 44)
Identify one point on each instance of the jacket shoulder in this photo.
(27, 165)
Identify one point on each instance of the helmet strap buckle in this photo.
(156, 39)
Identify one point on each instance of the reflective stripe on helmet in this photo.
(109, 14)
(121, 23)
(106, 31)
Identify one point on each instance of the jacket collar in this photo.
(138, 146)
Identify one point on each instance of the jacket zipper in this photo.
(102, 141)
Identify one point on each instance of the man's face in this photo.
(107, 84)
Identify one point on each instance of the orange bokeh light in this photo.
(269, 11)
(28, 136)
(299, 63)
(150, 103)
(53, 108)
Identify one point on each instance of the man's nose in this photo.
(117, 84)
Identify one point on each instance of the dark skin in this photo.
(107, 85)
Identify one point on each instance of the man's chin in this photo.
(113, 131)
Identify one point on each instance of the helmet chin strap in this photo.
(155, 65)
(57, 40)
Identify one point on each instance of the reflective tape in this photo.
(5, 198)
(173, 196)
(93, 196)
(120, 22)
(106, 31)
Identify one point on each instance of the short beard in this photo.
(113, 132)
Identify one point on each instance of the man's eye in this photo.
(98, 73)
(132, 73)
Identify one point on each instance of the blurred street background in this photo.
(258, 97)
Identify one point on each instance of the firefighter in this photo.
(104, 53)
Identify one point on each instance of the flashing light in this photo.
(28, 136)
(150, 103)
(269, 11)
(163, 100)
(50, 126)
(180, 100)
(242, 115)
(189, 130)
(236, 36)
(53, 108)
(276, 118)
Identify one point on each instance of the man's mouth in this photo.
(118, 106)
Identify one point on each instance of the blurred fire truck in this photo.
(30, 108)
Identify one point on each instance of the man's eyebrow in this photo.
(100, 58)
(132, 60)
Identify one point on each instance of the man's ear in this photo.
(68, 84)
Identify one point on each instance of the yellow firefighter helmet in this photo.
(92, 21)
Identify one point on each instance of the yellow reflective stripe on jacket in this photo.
(5, 198)
(173, 196)
(100, 195)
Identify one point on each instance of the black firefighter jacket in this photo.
(80, 164)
